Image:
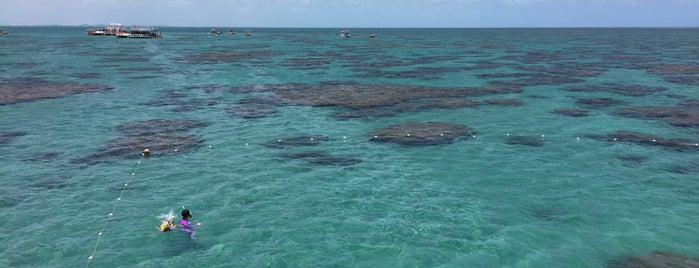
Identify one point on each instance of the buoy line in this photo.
(145, 153)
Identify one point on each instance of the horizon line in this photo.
(361, 27)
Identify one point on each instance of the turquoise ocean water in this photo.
(572, 201)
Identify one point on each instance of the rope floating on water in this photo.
(117, 201)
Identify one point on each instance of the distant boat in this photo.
(140, 32)
(231, 31)
(214, 31)
(3, 31)
(111, 29)
(345, 33)
(248, 33)
(372, 35)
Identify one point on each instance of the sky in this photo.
(354, 13)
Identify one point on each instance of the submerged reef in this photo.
(537, 80)
(633, 158)
(322, 158)
(8, 136)
(683, 80)
(422, 134)
(571, 112)
(598, 103)
(655, 259)
(319, 158)
(674, 69)
(178, 99)
(251, 110)
(686, 114)
(229, 57)
(303, 140)
(16, 90)
(533, 141)
(569, 69)
(504, 102)
(371, 100)
(647, 140)
(159, 136)
(620, 89)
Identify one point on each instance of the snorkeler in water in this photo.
(186, 226)
(167, 223)
(166, 226)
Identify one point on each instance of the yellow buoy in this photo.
(146, 151)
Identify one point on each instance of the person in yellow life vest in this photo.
(168, 222)
(166, 226)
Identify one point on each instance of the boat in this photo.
(231, 31)
(345, 33)
(372, 35)
(214, 31)
(3, 31)
(111, 29)
(248, 33)
(140, 32)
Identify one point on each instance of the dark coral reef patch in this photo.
(504, 102)
(8, 136)
(527, 140)
(598, 103)
(683, 80)
(538, 80)
(422, 134)
(251, 110)
(655, 259)
(684, 115)
(571, 112)
(322, 158)
(620, 89)
(159, 136)
(301, 140)
(229, 56)
(639, 138)
(180, 102)
(367, 100)
(16, 90)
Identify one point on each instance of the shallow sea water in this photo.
(478, 202)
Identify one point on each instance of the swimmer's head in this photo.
(186, 214)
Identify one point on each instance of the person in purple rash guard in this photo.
(186, 226)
